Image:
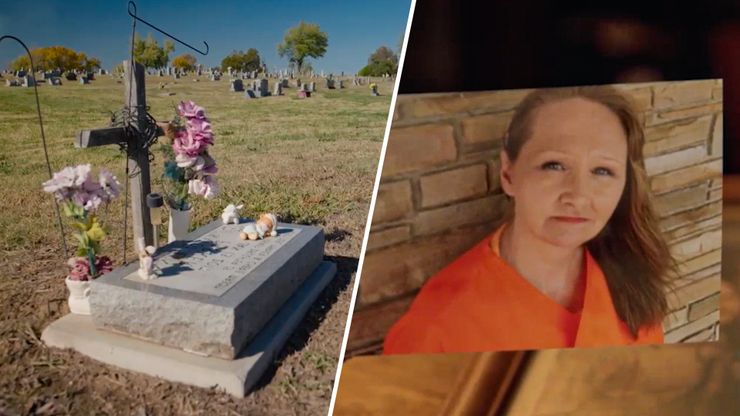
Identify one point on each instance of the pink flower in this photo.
(189, 110)
(79, 268)
(201, 129)
(188, 144)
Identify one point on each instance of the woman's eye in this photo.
(603, 172)
(552, 166)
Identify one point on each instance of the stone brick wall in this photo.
(437, 197)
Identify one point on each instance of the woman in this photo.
(578, 261)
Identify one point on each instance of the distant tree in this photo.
(383, 54)
(185, 62)
(377, 69)
(56, 57)
(91, 64)
(382, 61)
(242, 61)
(150, 54)
(303, 41)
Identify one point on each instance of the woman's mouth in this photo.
(571, 220)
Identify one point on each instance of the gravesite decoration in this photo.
(189, 169)
(81, 195)
(207, 309)
(231, 214)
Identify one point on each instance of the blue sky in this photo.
(102, 29)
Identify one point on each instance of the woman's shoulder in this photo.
(462, 273)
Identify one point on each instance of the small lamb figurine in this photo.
(231, 214)
(146, 263)
(266, 225)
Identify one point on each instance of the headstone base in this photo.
(236, 377)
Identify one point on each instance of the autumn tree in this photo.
(184, 62)
(382, 61)
(56, 57)
(303, 41)
(242, 61)
(150, 54)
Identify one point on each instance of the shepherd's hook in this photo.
(132, 13)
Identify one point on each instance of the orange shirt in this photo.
(480, 303)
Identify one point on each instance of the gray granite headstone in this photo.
(28, 81)
(237, 85)
(312, 86)
(83, 80)
(214, 292)
(264, 89)
(340, 84)
(278, 89)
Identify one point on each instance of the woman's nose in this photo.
(575, 189)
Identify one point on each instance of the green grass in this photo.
(304, 159)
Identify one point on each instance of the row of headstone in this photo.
(332, 84)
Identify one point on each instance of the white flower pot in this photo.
(178, 225)
(79, 296)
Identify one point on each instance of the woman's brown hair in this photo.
(630, 250)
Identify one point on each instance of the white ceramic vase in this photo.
(79, 296)
(178, 225)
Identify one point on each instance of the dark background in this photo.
(464, 46)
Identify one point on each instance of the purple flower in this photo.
(204, 165)
(109, 185)
(76, 184)
(189, 110)
(90, 201)
(103, 265)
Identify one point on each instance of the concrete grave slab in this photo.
(236, 377)
(214, 292)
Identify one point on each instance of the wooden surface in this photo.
(398, 384)
(138, 166)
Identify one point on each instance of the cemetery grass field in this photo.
(310, 161)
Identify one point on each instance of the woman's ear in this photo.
(505, 174)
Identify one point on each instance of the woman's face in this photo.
(570, 174)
